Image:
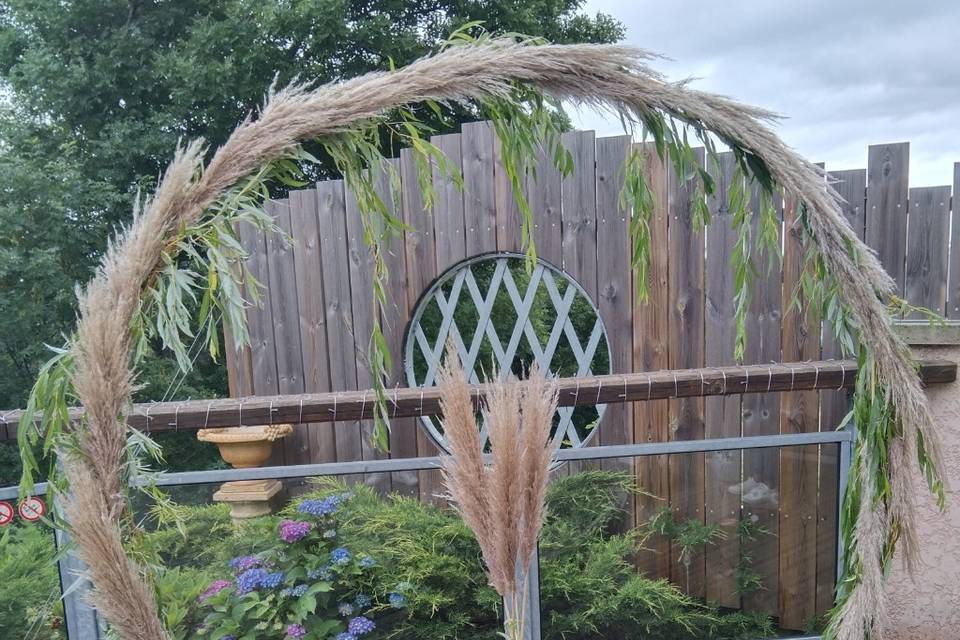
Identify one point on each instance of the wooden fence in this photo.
(311, 333)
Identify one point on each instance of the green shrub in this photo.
(589, 585)
(30, 604)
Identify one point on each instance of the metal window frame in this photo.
(83, 622)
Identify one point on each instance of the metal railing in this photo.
(81, 619)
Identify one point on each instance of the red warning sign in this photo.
(6, 513)
(32, 509)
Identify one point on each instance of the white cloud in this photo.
(845, 73)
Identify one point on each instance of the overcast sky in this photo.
(846, 73)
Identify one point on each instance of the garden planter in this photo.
(246, 447)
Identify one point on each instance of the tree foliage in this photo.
(97, 94)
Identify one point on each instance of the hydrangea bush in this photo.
(305, 586)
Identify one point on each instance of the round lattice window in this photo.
(501, 318)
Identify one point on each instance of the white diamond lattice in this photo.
(462, 285)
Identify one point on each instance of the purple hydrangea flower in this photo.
(345, 609)
(296, 631)
(340, 556)
(215, 587)
(345, 636)
(360, 625)
(362, 601)
(293, 530)
(366, 562)
(398, 600)
(271, 580)
(244, 562)
(250, 580)
(325, 507)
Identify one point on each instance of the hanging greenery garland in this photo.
(182, 249)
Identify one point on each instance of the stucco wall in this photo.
(929, 608)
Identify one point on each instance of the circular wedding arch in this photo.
(613, 77)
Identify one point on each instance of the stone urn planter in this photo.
(246, 447)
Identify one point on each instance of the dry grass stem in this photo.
(504, 503)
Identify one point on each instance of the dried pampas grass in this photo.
(504, 503)
(608, 76)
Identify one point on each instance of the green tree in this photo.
(95, 95)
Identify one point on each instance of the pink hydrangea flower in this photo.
(296, 631)
(215, 587)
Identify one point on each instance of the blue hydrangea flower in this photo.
(362, 601)
(325, 507)
(360, 625)
(367, 562)
(272, 580)
(250, 580)
(345, 636)
(345, 609)
(340, 556)
(398, 600)
(322, 573)
(285, 593)
(299, 590)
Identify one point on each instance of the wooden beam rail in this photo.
(631, 387)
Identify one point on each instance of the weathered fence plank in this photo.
(614, 301)
(722, 413)
(263, 360)
(403, 431)
(761, 416)
(579, 228)
(285, 314)
(421, 262)
(887, 166)
(799, 413)
(579, 214)
(448, 213)
(953, 306)
(544, 197)
(686, 304)
(336, 287)
(927, 246)
(834, 405)
(479, 193)
(651, 351)
(361, 264)
(508, 213)
(313, 331)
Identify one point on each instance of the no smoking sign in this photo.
(6, 513)
(32, 509)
